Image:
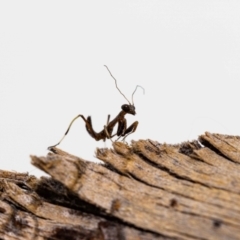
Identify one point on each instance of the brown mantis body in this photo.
(106, 133)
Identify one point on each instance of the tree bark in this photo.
(145, 190)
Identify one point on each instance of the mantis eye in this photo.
(125, 107)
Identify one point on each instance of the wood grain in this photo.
(146, 190)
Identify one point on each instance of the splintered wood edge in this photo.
(123, 159)
(153, 187)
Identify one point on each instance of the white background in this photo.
(186, 54)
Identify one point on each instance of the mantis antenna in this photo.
(135, 91)
(120, 90)
(116, 84)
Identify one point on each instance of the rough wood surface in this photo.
(145, 190)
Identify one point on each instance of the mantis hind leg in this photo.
(69, 129)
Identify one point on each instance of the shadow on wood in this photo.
(143, 191)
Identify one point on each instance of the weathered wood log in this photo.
(146, 190)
